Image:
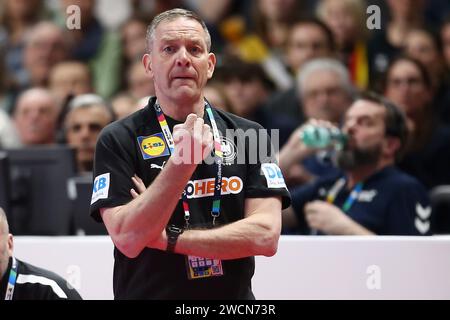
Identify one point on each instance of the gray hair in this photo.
(171, 15)
(86, 100)
(90, 100)
(326, 64)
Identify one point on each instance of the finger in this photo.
(190, 121)
(198, 128)
(140, 186)
(134, 194)
(179, 131)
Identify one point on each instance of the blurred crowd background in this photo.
(280, 63)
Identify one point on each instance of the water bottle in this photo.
(322, 137)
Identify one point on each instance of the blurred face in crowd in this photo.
(132, 34)
(324, 97)
(139, 85)
(276, 10)
(35, 117)
(245, 96)
(216, 96)
(70, 78)
(123, 105)
(406, 9)
(22, 9)
(83, 125)
(445, 36)
(179, 61)
(6, 244)
(341, 18)
(420, 45)
(406, 88)
(306, 41)
(44, 48)
(365, 126)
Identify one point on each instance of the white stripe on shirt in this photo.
(30, 278)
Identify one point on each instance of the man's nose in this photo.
(183, 59)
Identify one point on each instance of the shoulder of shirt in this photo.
(27, 268)
(398, 180)
(129, 123)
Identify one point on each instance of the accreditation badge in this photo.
(198, 267)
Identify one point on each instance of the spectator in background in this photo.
(388, 42)
(17, 18)
(45, 46)
(347, 20)
(97, 47)
(214, 92)
(138, 83)
(35, 117)
(371, 196)
(445, 39)
(307, 39)
(425, 46)
(427, 153)
(22, 281)
(70, 78)
(327, 92)
(123, 105)
(6, 96)
(8, 134)
(133, 48)
(88, 114)
(247, 88)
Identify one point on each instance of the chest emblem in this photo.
(153, 146)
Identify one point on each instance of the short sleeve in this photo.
(113, 169)
(264, 177)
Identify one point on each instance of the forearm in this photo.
(254, 235)
(140, 221)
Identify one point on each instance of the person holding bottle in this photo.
(370, 196)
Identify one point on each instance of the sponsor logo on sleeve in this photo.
(153, 146)
(100, 188)
(273, 175)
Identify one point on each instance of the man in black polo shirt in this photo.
(193, 232)
(23, 281)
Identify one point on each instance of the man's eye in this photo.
(195, 50)
(168, 49)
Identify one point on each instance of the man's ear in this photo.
(10, 244)
(147, 62)
(391, 146)
(211, 64)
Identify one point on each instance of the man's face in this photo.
(179, 62)
(419, 45)
(445, 36)
(306, 41)
(82, 128)
(44, 50)
(70, 78)
(35, 119)
(406, 88)
(364, 124)
(324, 97)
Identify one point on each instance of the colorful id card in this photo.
(198, 267)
